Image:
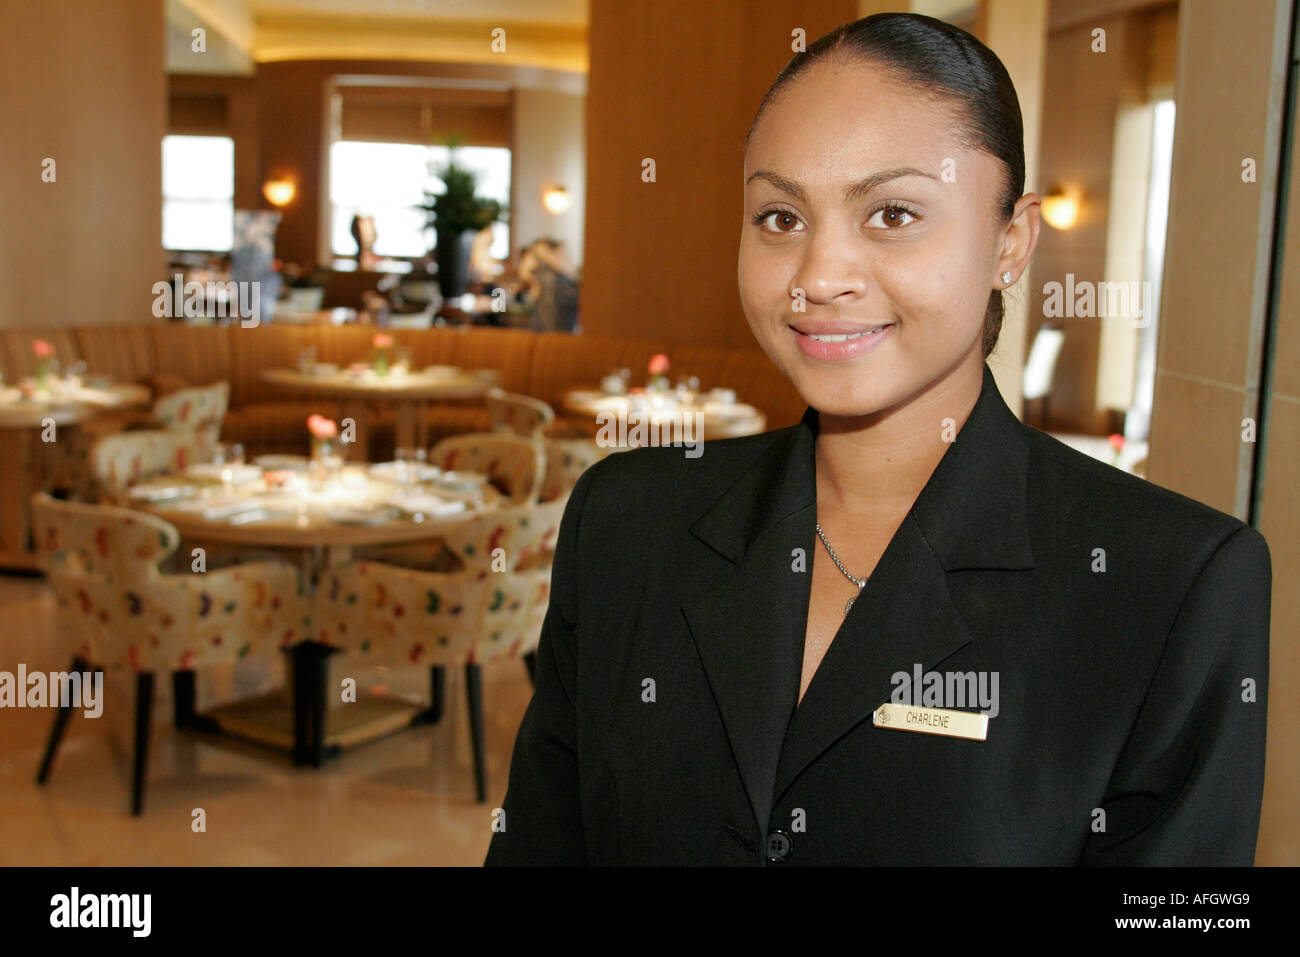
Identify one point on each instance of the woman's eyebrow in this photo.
(858, 189)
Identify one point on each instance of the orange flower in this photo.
(321, 428)
(382, 340)
(659, 364)
(1116, 441)
(42, 349)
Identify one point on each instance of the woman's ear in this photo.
(1018, 240)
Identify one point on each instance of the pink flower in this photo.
(321, 428)
(659, 364)
(42, 349)
(1116, 441)
(382, 340)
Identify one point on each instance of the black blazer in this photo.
(1126, 730)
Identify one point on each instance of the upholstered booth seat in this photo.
(167, 356)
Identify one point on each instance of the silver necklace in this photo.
(860, 582)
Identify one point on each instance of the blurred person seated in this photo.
(550, 286)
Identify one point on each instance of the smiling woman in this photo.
(718, 678)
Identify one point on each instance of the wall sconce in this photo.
(1060, 209)
(279, 192)
(556, 199)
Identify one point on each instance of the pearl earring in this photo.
(1006, 278)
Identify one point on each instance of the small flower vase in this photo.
(381, 362)
(658, 383)
(322, 465)
(42, 373)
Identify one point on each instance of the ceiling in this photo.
(240, 33)
(555, 12)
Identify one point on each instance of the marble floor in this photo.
(407, 799)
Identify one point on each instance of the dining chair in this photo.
(491, 606)
(520, 415)
(123, 612)
(566, 460)
(120, 461)
(200, 410)
(513, 464)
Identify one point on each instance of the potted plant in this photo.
(455, 215)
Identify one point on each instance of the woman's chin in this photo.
(852, 402)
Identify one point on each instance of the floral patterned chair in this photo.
(490, 607)
(513, 464)
(120, 461)
(123, 612)
(520, 415)
(193, 411)
(200, 410)
(566, 460)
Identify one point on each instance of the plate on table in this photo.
(221, 511)
(215, 472)
(462, 481)
(160, 493)
(254, 515)
(279, 463)
(362, 515)
(429, 505)
(393, 471)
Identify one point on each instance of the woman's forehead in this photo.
(838, 113)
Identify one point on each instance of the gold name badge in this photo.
(955, 724)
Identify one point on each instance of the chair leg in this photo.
(187, 719)
(300, 686)
(530, 662)
(474, 696)
(437, 694)
(56, 733)
(143, 718)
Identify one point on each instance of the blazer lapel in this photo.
(749, 618)
(749, 622)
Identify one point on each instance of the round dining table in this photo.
(322, 522)
(409, 393)
(29, 437)
(720, 417)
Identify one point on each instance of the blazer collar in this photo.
(971, 511)
(749, 616)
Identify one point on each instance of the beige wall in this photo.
(549, 149)
(1016, 30)
(82, 83)
(1231, 75)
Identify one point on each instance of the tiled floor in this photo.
(406, 799)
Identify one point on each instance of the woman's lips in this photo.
(839, 346)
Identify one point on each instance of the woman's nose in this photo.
(829, 268)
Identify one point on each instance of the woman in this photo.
(773, 653)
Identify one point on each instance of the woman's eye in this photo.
(778, 221)
(890, 217)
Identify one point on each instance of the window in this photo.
(388, 180)
(198, 175)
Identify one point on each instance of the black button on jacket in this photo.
(664, 727)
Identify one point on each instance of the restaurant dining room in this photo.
(379, 392)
